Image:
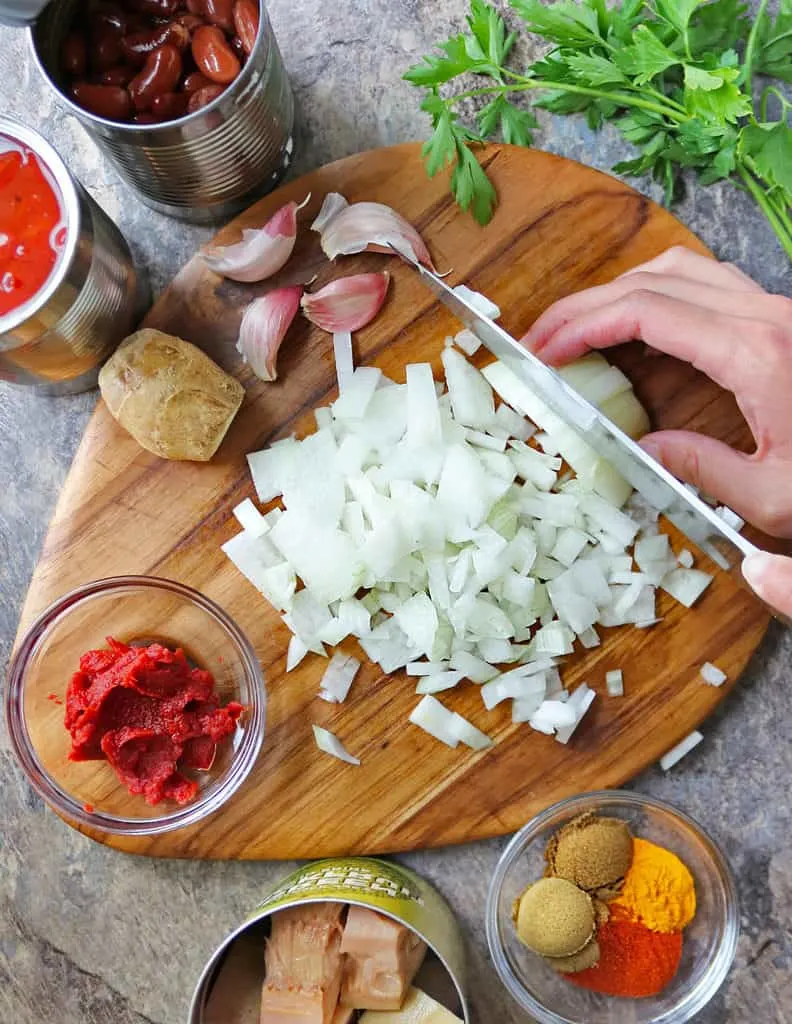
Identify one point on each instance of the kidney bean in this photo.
(139, 45)
(74, 55)
(144, 117)
(220, 13)
(121, 75)
(157, 8)
(105, 49)
(189, 21)
(108, 101)
(109, 17)
(193, 82)
(170, 105)
(246, 23)
(214, 56)
(236, 45)
(204, 97)
(160, 74)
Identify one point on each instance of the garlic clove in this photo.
(347, 229)
(348, 303)
(261, 252)
(264, 327)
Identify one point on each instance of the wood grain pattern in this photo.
(560, 227)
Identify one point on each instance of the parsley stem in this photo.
(750, 49)
(625, 99)
(771, 90)
(783, 234)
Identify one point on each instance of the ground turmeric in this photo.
(658, 889)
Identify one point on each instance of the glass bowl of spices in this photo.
(135, 706)
(612, 906)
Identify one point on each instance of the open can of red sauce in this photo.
(69, 292)
(232, 986)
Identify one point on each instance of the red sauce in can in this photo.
(32, 233)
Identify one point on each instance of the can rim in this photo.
(144, 129)
(20, 132)
(197, 1003)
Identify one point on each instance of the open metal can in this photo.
(229, 988)
(209, 164)
(93, 297)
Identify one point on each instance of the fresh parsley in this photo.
(676, 77)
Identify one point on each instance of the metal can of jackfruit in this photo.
(229, 989)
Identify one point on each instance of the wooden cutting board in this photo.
(560, 227)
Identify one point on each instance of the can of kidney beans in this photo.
(69, 291)
(199, 166)
(229, 988)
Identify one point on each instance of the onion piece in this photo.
(296, 653)
(344, 359)
(712, 674)
(438, 721)
(581, 700)
(686, 585)
(469, 734)
(475, 669)
(486, 307)
(438, 681)
(338, 678)
(680, 750)
(685, 558)
(250, 519)
(468, 342)
(614, 683)
(331, 744)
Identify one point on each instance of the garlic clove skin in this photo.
(347, 304)
(347, 229)
(264, 327)
(261, 252)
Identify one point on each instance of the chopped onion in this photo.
(338, 677)
(680, 750)
(730, 517)
(580, 701)
(712, 674)
(331, 744)
(686, 585)
(468, 342)
(250, 519)
(344, 360)
(614, 683)
(438, 721)
(480, 302)
(685, 558)
(475, 669)
(438, 681)
(469, 734)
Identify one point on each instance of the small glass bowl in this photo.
(135, 610)
(710, 940)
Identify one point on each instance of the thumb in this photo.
(771, 577)
(715, 468)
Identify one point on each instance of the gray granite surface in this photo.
(89, 936)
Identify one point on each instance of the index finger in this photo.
(710, 341)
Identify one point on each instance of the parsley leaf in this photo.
(489, 29)
(714, 95)
(516, 125)
(770, 148)
(472, 188)
(565, 22)
(460, 54)
(594, 69)
(647, 57)
(678, 13)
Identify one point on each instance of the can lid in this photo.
(19, 13)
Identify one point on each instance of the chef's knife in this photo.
(694, 517)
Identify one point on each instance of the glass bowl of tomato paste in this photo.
(136, 706)
(702, 959)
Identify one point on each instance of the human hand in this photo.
(711, 315)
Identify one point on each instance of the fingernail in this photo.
(755, 568)
(651, 447)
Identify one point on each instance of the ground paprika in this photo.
(634, 961)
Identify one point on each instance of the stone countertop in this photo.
(91, 936)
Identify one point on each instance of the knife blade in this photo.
(700, 523)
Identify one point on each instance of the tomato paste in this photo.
(150, 714)
(31, 235)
